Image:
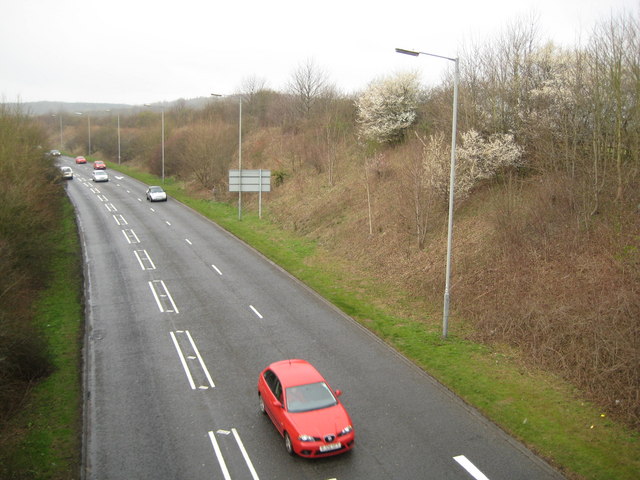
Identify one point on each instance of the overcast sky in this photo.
(137, 51)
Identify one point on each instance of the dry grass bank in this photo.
(532, 269)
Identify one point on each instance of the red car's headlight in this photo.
(346, 430)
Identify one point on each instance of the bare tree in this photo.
(207, 152)
(251, 85)
(428, 181)
(308, 84)
(371, 165)
(422, 184)
(500, 76)
(336, 122)
(613, 91)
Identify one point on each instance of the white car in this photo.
(156, 194)
(100, 176)
(66, 172)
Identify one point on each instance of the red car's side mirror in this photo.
(277, 404)
(338, 393)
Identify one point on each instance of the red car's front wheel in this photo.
(287, 444)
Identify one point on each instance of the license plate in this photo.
(330, 447)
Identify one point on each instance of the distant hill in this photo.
(50, 107)
(45, 107)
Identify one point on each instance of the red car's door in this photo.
(278, 407)
(273, 400)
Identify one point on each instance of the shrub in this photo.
(28, 192)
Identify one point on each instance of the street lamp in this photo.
(60, 118)
(88, 129)
(452, 179)
(162, 117)
(239, 152)
(118, 115)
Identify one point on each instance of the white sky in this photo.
(137, 51)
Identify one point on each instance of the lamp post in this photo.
(239, 152)
(452, 179)
(88, 129)
(59, 118)
(118, 116)
(162, 119)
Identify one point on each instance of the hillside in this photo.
(529, 270)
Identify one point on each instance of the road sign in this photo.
(250, 180)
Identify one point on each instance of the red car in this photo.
(304, 409)
(99, 165)
(81, 160)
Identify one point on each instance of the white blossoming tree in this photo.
(388, 107)
(481, 159)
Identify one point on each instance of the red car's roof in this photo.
(295, 372)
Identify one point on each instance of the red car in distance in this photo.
(304, 409)
(81, 159)
(99, 165)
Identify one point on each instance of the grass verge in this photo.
(538, 408)
(44, 439)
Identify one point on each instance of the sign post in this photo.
(250, 181)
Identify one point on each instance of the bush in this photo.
(28, 207)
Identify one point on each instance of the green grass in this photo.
(46, 434)
(536, 407)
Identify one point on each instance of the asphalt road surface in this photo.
(180, 319)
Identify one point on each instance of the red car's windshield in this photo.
(313, 396)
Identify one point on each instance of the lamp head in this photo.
(407, 52)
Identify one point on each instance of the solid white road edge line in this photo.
(245, 455)
(135, 252)
(129, 235)
(183, 361)
(204, 367)
(155, 295)
(120, 220)
(216, 448)
(470, 467)
(153, 265)
(175, 309)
